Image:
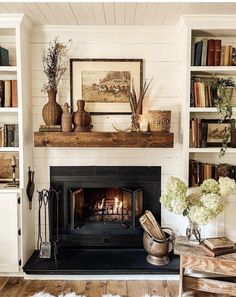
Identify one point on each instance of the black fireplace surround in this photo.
(100, 206)
(99, 231)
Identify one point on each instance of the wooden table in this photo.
(206, 272)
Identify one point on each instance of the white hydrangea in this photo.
(193, 199)
(176, 187)
(178, 205)
(166, 202)
(200, 215)
(214, 203)
(227, 186)
(210, 186)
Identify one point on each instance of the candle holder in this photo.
(14, 182)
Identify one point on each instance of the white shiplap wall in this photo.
(161, 49)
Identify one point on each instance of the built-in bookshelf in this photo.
(203, 69)
(15, 143)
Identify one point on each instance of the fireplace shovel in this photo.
(45, 247)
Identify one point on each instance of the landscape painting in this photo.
(106, 86)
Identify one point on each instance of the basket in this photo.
(159, 120)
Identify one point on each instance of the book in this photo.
(1, 137)
(10, 135)
(230, 55)
(4, 57)
(16, 136)
(207, 171)
(1, 93)
(198, 53)
(202, 98)
(14, 96)
(196, 94)
(7, 93)
(217, 52)
(204, 130)
(219, 242)
(211, 52)
(192, 93)
(50, 128)
(233, 56)
(222, 55)
(217, 252)
(204, 52)
(226, 56)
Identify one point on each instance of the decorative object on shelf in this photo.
(136, 104)
(105, 84)
(159, 120)
(193, 231)
(143, 123)
(52, 111)
(54, 65)
(82, 119)
(200, 206)
(224, 88)
(30, 187)
(13, 182)
(4, 57)
(66, 119)
(156, 241)
(6, 169)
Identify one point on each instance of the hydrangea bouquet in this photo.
(201, 206)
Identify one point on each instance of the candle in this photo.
(13, 161)
(143, 123)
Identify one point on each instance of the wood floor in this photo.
(19, 287)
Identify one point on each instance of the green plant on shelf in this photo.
(223, 92)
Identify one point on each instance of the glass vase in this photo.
(193, 232)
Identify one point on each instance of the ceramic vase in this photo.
(52, 111)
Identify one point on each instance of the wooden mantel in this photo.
(103, 139)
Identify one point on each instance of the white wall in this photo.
(161, 50)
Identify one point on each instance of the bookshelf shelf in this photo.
(5, 69)
(214, 69)
(211, 150)
(9, 149)
(206, 109)
(9, 109)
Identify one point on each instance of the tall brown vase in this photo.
(52, 111)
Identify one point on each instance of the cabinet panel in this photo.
(9, 233)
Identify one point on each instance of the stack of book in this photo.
(201, 93)
(8, 93)
(218, 246)
(198, 133)
(9, 135)
(199, 171)
(210, 52)
(50, 128)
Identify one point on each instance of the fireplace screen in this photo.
(107, 205)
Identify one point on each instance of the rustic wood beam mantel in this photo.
(104, 139)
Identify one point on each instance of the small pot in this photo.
(158, 249)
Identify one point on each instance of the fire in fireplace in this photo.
(100, 206)
(107, 205)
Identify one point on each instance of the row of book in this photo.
(8, 93)
(9, 135)
(217, 246)
(198, 133)
(199, 171)
(4, 56)
(202, 93)
(210, 52)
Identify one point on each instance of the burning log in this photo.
(151, 226)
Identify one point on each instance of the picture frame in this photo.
(215, 131)
(105, 84)
(6, 169)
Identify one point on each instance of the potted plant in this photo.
(54, 65)
(223, 91)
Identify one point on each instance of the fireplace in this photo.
(100, 206)
(99, 231)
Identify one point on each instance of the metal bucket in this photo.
(158, 249)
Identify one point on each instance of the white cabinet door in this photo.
(9, 260)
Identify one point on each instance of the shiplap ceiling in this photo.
(113, 14)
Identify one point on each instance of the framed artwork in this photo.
(105, 84)
(6, 169)
(215, 131)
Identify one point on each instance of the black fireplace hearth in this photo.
(99, 231)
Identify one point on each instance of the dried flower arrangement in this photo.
(54, 64)
(136, 104)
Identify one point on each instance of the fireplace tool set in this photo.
(45, 197)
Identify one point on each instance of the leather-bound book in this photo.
(233, 56)
(202, 98)
(198, 53)
(196, 94)
(226, 56)
(14, 96)
(211, 52)
(222, 55)
(1, 93)
(217, 52)
(230, 55)
(217, 252)
(207, 171)
(204, 52)
(204, 128)
(7, 93)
